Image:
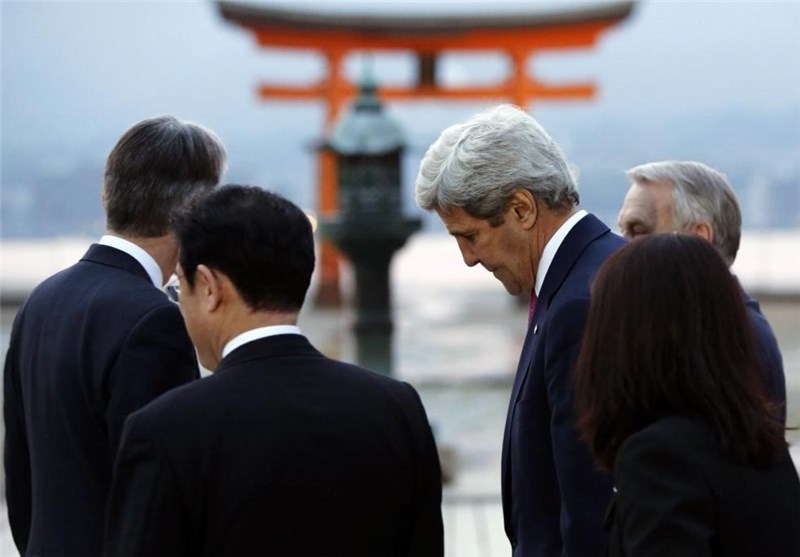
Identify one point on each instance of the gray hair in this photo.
(700, 194)
(154, 170)
(477, 166)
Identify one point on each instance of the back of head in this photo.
(154, 169)
(700, 194)
(668, 334)
(262, 242)
(477, 166)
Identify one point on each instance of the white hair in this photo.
(700, 194)
(477, 166)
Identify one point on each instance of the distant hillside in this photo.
(759, 152)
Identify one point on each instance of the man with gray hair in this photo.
(100, 340)
(504, 191)
(693, 198)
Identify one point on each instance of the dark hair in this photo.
(668, 333)
(154, 169)
(261, 241)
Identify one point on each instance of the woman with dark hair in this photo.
(671, 400)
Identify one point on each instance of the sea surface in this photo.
(457, 340)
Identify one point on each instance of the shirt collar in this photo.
(551, 248)
(145, 259)
(260, 332)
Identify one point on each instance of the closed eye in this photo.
(635, 231)
(468, 236)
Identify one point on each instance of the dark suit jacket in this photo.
(281, 452)
(677, 493)
(554, 499)
(90, 345)
(770, 354)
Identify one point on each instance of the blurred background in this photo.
(714, 81)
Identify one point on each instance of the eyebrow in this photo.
(461, 231)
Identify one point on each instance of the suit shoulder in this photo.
(760, 325)
(587, 263)
(111, 302)
(603, 246)
(91, 284)
(51, 285)
(133, 300)
(365, 383)
(191, 404)
(668, 426)
(368, 378)
(183, 404)
(671, 433)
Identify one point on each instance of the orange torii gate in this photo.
(335, 35)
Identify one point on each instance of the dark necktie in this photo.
(532, 306)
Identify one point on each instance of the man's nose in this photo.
(470, 259)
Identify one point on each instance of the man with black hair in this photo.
(281, 451)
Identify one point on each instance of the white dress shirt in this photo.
(144, 258)
(551, 248)
(260, 332)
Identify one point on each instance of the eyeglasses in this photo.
(173, 288)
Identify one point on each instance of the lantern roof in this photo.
(365, 128)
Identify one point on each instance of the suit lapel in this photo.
(585, 231)
(588, 229)
(522, 372)
(112, 257)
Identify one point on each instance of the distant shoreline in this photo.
(766, 265)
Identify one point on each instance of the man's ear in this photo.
(524, 209)
(704, 230)
(209, 288)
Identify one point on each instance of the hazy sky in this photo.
(75, 75)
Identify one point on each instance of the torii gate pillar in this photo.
(329, 293)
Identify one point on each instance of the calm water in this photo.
(458, 343)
